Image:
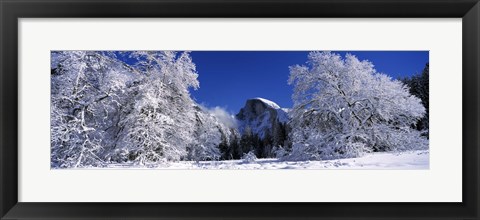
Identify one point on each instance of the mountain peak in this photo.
(260, 115)
(267, 102)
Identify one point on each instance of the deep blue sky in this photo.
(229, 78)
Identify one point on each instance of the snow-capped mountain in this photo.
(261, 116)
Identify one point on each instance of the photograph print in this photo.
(239, 110)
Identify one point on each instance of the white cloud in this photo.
(223, 116)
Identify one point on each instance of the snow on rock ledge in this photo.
(268, 102)
(261, 116)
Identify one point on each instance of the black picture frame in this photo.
(12, 10)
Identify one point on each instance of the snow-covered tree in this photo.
(88, 89)
(107, 111)
(162, 122)
(209, 134)
(344, 108)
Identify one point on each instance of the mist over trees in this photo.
(141, 113)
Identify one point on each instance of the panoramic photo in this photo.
(239, 110)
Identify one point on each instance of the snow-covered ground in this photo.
(399, 160)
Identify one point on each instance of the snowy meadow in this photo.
(135, 109)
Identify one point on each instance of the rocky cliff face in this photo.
(261, 116)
